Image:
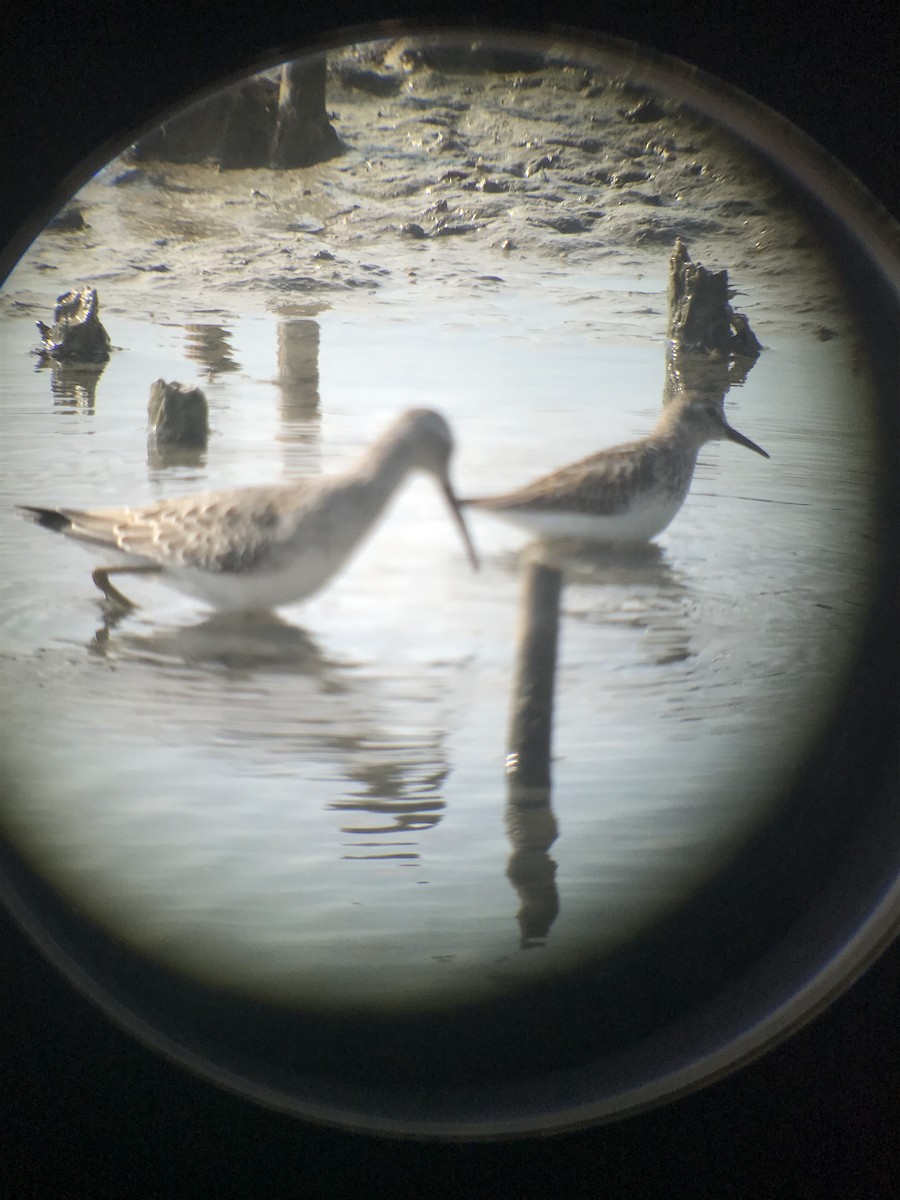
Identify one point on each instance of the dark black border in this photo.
(84, 1098)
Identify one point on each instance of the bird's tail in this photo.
(47, 518)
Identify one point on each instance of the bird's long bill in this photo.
(456, 510)
(734, 436)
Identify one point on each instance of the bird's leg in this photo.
(101, 578)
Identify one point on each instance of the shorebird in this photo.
(253, 549)
(627, 494)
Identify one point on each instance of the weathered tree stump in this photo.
(701, 318)
(303, 135)
(260, 122)
(710, 346)
(76, 335)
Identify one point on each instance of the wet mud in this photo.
(527, 166)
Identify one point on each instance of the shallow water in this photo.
(314, 806)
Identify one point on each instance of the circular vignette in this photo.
(821, 921)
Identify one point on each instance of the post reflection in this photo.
(532, 830)
(298, 381)
(298, 366)
(210, 345)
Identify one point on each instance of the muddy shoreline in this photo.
(457, 184)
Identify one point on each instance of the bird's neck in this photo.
(673, 434)
(384, 467)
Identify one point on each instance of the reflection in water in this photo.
(298, 366)
(530, 820)
(532, 830)
(238, 641)
(74, 385)
(211, 346)
(406, 789)
(653, 599)
(643, 589)
(298, 377)
(400, 776)
(165, 456)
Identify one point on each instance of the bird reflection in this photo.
(645, 591)
(394, 778)
(239, 641)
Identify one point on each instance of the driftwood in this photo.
(76, 335)
(261, 122)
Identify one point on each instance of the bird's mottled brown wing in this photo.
(206, 531)
(600, 484)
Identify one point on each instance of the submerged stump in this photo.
(179, 425)
(178, 415)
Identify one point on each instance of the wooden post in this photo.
(531, 724)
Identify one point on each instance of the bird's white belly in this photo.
(257, 590)
(638, 524)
